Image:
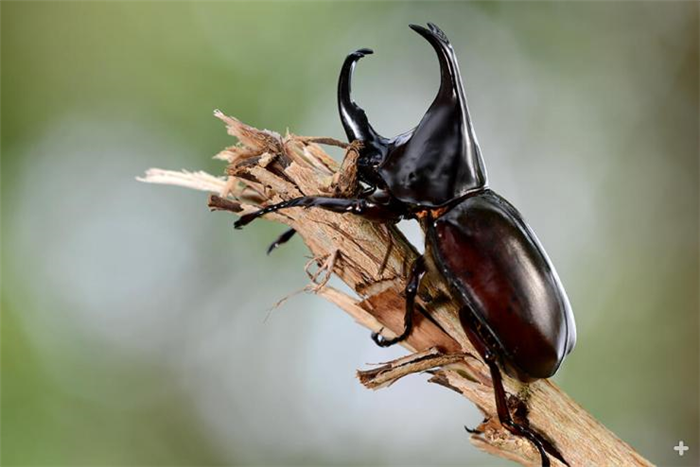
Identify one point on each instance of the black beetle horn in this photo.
(448, 121)
(355, 122)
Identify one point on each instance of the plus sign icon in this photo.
(680, 448)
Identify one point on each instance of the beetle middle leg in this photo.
(414, 278)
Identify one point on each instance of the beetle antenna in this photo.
(355, 122)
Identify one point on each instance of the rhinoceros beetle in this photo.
(513, 306)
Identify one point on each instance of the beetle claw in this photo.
(382, 341)
(473, 431)
(379, 339)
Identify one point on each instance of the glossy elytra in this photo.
(513, 306)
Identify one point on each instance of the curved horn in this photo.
(451, 100)
(355, 122)
(450, 79)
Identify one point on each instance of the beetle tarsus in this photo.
(281, 240)
(304, 201)
(370, 208)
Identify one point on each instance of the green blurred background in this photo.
(134, 326)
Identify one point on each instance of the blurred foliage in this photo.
(133, 328)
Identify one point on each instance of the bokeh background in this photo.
(135, 325)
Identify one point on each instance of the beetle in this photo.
(513, 306)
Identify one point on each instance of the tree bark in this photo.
(373, 260)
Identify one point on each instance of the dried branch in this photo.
(373, 259)
(195, 180)
(417, 362)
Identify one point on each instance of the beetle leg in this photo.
(414, 278)
(281, 240)
(364, 207)
(542, 445)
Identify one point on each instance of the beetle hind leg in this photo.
(518, 429)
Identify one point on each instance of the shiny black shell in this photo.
(499, 270)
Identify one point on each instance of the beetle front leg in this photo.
(414, 278)
(364, 207)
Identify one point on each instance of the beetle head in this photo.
(441, 150)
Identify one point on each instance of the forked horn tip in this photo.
(432, 31)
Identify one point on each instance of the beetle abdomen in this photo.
(500, 270)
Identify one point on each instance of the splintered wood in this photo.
(373, 260)
(390, 372)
